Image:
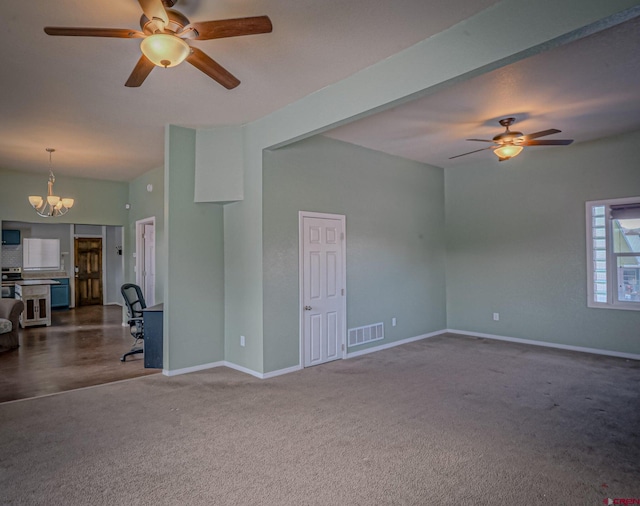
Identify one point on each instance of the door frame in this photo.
(140, 262)
(342, 218)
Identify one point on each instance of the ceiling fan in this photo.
(164, 35)
(510, 143)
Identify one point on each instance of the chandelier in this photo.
(52, 205)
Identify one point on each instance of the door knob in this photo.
(307, 308)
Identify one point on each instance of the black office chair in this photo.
(134, 300)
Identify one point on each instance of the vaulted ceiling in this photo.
(588, 89)
(68, 92)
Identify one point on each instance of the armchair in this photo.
(10, 310)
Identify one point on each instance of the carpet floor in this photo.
(447, 420)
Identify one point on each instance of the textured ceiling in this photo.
(589, 89)
(68, 92)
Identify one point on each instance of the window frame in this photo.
(40, 254)
(611, 258)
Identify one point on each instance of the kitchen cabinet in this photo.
(60, 294)
(36, 295)
(11, 237)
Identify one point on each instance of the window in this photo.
(41, 254)
(613, 253)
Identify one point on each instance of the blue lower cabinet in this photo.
(60, 294)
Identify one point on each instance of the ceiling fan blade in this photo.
(479, 140)
(542, 133)
(231, 27)
(140, 72)
(154, 10)
(213, 69)
(549, 142)
(465, 154)
(120, 33)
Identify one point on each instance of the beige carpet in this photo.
(450, 420)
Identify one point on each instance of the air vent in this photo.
(366, 334)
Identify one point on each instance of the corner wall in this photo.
(194, 290)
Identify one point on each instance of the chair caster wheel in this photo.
(123, 359)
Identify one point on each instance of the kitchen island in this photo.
(36, 295)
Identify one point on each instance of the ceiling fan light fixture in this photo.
(164, 49)
(507, 151)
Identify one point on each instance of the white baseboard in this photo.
(298, 367)
(240, 368)
(596, 351)
(394, 343)
(260, 375)
(195, 368)
(230, 365)
(373, 349)
(280, 372)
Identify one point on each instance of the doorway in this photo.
(323, 305)
(88, 270)
(146, 258)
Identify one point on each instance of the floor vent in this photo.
(366, 334)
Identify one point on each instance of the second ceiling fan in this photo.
(510, 143)
(164, 35)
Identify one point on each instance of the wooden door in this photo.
(323, 289)
(88, 262)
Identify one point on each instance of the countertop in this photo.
(35, 282)
(44, 275)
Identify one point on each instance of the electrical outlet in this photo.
(393, 322)
(496, 317)
(242, 341)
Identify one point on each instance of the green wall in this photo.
(194, 290)
(243, 264)
(516, 243)
(97, 202)
(145, 204)
(507, 32)
(394, 212)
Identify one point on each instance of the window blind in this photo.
(40, 254)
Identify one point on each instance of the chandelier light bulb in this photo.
(35, 200)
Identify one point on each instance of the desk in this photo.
(153, 334)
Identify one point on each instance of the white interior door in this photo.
(146, 258)
(149, 288)
(322, 287)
